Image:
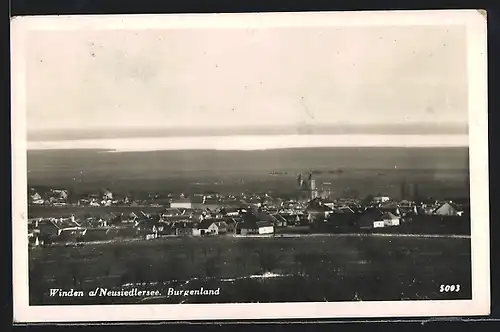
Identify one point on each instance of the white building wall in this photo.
(213, 229)
(266, 230)
(391, 222)
(381, 199)
(181, 205)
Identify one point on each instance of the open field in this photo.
(320, 268)
(439, 172)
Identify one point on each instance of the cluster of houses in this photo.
(383, 211)
(54, 197)
(171, 222)
(106, 198)
(61, 197)
(263, 216)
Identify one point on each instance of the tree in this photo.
(367, 200)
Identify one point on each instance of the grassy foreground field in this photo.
(316, 268)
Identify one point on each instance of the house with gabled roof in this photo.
(246, 228)
(172, 212)
(281, 221)
(265, 227)
(317, 210)
(205, 227)
(231, 223)
(230, 211)
(72, 234)
(183, 203)
(408, 211)
(96, 234)
(147, 229)
(132, 216)
(252, 225)
(447, 209)
(123, 232)
(59, 229)
(391, 219)
(344, 210)
(183, 229)
(36, 198)
(371, 218)
(248, 225)
(393, 209)
(210, 227)
(263, 215)
(346, 221)
(291, 219)
(54, 227)
(165, 229)
(329, 203)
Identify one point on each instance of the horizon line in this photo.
(249, 142)
(57, 134)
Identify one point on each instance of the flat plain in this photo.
(439, 172)
(299, 269)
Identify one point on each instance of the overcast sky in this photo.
(239, 77)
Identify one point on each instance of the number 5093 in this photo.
(449, 288)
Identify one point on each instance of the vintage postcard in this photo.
(250, 166)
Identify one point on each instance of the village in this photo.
(109, 218)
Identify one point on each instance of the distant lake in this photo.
(253, 142)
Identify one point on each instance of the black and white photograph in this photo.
(250, 166)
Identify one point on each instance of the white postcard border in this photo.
(475, 23)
